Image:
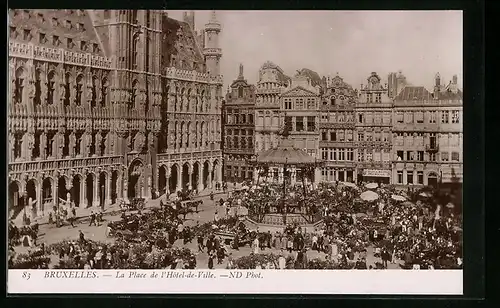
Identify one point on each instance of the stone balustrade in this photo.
(194, 76)
(66, 163)
(59, 55)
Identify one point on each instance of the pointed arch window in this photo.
(67, 88)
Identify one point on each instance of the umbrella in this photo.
(398, 198)
(369, 196)
(425, 194)
(450, 205)
(371, 185)
(349, 184)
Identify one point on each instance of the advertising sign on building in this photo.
(377, 173)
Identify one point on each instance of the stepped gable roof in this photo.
(179, 40)
(73, 24)
(413, 93)
(312, 75)
(285, 153)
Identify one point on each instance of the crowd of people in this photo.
(411, 229)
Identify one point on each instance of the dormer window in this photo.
(55, 23)
(83, 45)
(95, 48)
(80, 26)
(26, 34)
(69, 43)
(41, 38)
(68, 24)
(55, 40)
(13, 32)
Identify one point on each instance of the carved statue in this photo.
(72, 143)
(87, 139)
(98, 142)
(112, 138)
(129, 142)
(43, 145)
(11, 146)
(60, 143)
(139, 142)
(31, 90)
(172, 140)
(63, 92)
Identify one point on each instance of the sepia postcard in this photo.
(304, 152)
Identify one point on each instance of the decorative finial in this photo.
(241, 71)
(213, 16)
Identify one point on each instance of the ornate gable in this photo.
(298, 92)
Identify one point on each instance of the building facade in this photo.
(299, 111)
(337, 131)
(373, 122)
(100, 109)
(427, 135)
(272, 82)
(238, 113)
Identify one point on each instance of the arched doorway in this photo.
(47, 197)
(62, 191)
(15, 199)
(114, 189)
(215, 172)
(102, 189)
(205, 174)
(185, 176)
(174, 178)
(75, 196)
(195, 176)
(31, 190)
(162, 180)
(432, 179)
(135, 180)
(89, 182)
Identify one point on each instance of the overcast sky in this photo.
(352, 43)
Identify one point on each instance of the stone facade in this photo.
(338, 131)
(239, 129)
(97, 114)
(373, 122)
(428, 135)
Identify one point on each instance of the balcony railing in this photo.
(432, 148)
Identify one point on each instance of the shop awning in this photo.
(286, 153)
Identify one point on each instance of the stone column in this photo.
(107, 201)
(345, 176)
(83, 192)
(200, 179)
(124, 183)
(219, 174)
(405, 182)
(179, 180)
(85, 202)
(96, 192)
(39, 202)
(210, 176)
(190, 178)
(55, 193)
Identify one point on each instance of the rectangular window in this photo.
(400, 155)
(420, 155)
(409, 177)
(369, 118)
(378, 98)
(445, 117)
(399, 117)
(432, 156)
(377, 118)
(360, 118)
(324, 154)
(299, 124)
(299, 103)
(333, 154)
(361, 136)
(385, 136)
(349, 136)
(408, 117)
(409, 140)
(361, 155)
(41, 38)
(377, 156)
(455, 156)
(432, 117)
(455, 117)
(445, 156)
(369, 97)
(311, 124)
(400, 177)
(410, 155)
(323, 136)
(341, 136)
(419, 117)
(420, 177)
(333, 136)
(386, 156)
(369, 136)
(369, 156)
(377, 136)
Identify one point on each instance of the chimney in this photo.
(240, 76)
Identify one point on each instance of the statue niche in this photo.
(139, 142)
